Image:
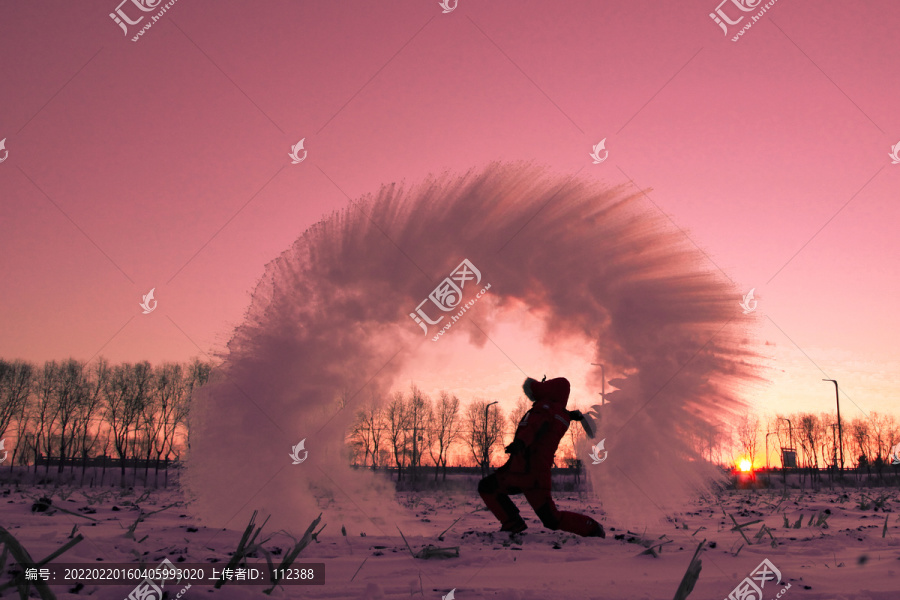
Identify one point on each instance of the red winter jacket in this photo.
(542, 427)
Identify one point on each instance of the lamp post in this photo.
(768, 472)
(834, 445)
(793, 449)
(767, 447)
(790, 433)
(837, 399)
(486, 456)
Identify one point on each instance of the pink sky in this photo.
(164, 163)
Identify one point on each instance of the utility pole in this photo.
(840, 429)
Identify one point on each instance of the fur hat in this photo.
(553, 391)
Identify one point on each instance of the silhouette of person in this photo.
(527, 471)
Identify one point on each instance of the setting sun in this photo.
(746, 465)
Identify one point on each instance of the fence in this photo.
(93, 471)
(108, 462)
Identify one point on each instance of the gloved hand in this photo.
(576, 415)
(516, 447)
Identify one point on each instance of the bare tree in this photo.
(443, 431)
(397, 421)
(356, 440)
(810, 432)
(43, 413)
(143, 388)
(141, 394)
(90, 405)
(884, 430)
(117, 410)
(16, 379)
(367, 430)
(69, 394)
(710, 443)
(22, 434)
(62, 409)
(859, 441)
(199, 374)
(748, 436)
(575, 434)
(126, 393)
(484, 425)
(15, 384)
(418, 410)
(522, 406)
(159, 412)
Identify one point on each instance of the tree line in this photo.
(73, 410)
(817, 439)
(412, 430)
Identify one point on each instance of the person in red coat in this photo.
(530, 457)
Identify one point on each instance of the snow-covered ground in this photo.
(844, 553)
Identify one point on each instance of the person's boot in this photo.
(579, 524)
(597, 531)
(514, 525)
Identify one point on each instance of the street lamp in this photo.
(790, 432)
(793, 449)
(834, 445)
(840, 429)
(767, 448)
(486, 456)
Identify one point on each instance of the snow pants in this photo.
(496, 488)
